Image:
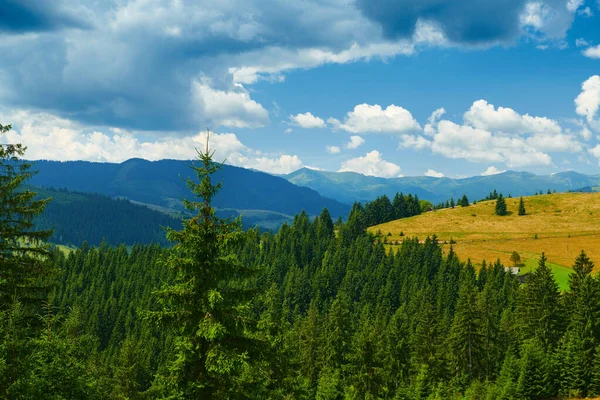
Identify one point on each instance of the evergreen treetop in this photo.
(501, 206)
(522, 210)
(207, 305)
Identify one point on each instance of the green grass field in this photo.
(561, 274)
(560, 225)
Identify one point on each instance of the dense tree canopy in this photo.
(315, 310)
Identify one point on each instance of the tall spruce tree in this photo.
(24, 255)
(538, 307)
(25, 266)
(207, 305)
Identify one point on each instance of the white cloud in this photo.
(280, 165)
(592, 52)
(415, 142)
(596, 152)
(588, 101)
(355, 142)
(483, 115)
(429, 129)
(492, 171)
(371, 164)
(581, 42)
(478, 145)
(261, 64)
(52, 138)
(548, 20)
(229, 108)
(307, 120)
(288, 130)
(333, 149)
(434, 174)
(573, 5)
(367, 118)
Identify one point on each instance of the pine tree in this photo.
(522, 207)
(501, 206)
(207, 305)
(24, 256)
(464, 339)
(538, 307)
(26, 270)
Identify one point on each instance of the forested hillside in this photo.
(341, 317)
(84, 217)
(313, 311)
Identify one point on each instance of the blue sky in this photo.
(382, 87)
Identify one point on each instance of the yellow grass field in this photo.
(564, 223)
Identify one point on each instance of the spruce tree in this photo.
(522, 207)
(501, 206)
(24, 254)
(538, 306)
(206, 307)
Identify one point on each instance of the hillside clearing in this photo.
(561, 225)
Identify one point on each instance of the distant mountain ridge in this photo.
(351, 186)
(161, 183)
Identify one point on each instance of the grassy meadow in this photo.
(559, 224)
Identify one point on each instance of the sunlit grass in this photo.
(560, 225)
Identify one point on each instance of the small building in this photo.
(513, 270)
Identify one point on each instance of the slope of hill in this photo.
(350, 186)
(160, 183)
(561, 225)
(78, 217)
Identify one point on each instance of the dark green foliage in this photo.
(501, 206)
(23, 253)
(539, 312)
(207, 305)
(313, 311)
(82, 217)
(522, 210)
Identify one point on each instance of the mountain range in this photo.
(264, 200)
(268, 201)
(348, 187)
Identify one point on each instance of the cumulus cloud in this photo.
(592, 52)
(333, 149)
(492, 171)
(230, 108)
(355, 142)
(371, 164)
(595, 152)
(367, 118)
(429, 129)
(588, 101)
(283, 164)
(478, 145)
(307, 120)
(143, 64)
(49, 137)
(483, 115)
(434, 174)
(414, 142)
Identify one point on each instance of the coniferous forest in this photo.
(314, 311)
